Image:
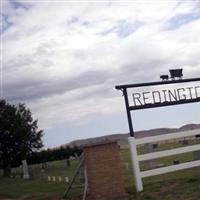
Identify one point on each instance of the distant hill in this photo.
(139, 134)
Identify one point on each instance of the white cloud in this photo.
(53, 52)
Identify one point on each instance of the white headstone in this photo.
(49, 178)
(25, 170)
(59, 178)
(66, 179)
(76, 155)
(127, 165)
(53, 178)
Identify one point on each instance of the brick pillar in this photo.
(104, 171)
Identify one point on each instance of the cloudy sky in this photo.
(64, 58)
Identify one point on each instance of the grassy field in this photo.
(183, 185)
(39, 188)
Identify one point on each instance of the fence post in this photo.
(135, 164)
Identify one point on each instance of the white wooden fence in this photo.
(138, 175)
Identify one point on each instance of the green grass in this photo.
(181, 185)
(38, 188)
(187, 188)
(30, 189)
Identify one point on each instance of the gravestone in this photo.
(197, 137)
(149, 148)
(25, 170)
(176, 162)
(76, 156)
(44, 166)
(127, 165)
(66, 179)
(185, 142)
(68, 162)
(155, 146)
(196, 155)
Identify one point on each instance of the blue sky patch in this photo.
(5, 16)
(16, 4)
(123, 28)
(5, 24)
(72, 20)
(179, 20)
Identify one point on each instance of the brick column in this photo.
(104, 171)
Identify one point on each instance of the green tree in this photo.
(19, 134)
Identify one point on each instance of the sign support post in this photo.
(128, 112)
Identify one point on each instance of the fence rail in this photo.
(138, 175)
(172, 168)
(170, 152)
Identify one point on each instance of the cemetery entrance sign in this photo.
(171, 94)
(160, 97)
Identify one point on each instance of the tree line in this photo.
(20, 139)
(60, 153)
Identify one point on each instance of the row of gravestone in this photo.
(59, 179)
(26, 172)
(151, 163)
(148, 148)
